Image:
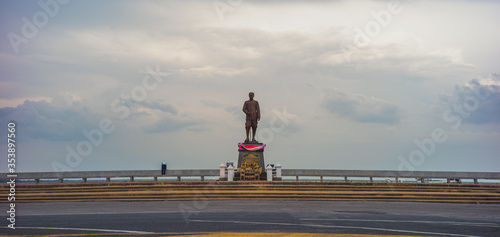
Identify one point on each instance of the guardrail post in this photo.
(222, 168)
(61, 180)
(202, 178)
(278, 170)
(178, 178)
(84, 180)
(230, 173)
(320, 178)
(448, 181)
(475, 181)
(37, 181)
(108, 179)
(371, 179)
(297, 178)
(423, 180)
(397, 180)
(131, 178)
(269, 171)
(345, 178)
(155, 178)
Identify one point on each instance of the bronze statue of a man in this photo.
(252, 110)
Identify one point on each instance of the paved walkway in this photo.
(255, 218)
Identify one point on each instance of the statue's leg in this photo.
(254, 129)
(247, 128)
(248, 133)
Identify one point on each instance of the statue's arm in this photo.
(258, 111)
(245, 110)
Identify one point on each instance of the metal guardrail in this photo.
(449, 175)
(84, 175)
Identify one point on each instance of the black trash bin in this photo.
(163, 168)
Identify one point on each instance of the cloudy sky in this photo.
(118, 85)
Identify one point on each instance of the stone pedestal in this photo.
(252, 153)
(251, 156)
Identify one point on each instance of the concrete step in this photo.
(253, 194)
(299, 188)
(172, 191)
(257, 195)
(250, 183)
(269, 197)
(242, 185)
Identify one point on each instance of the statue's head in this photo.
(251, 95)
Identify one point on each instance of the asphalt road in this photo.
(163, 218)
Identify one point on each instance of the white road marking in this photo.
(333, 226)
(82, 229)
(402, 221)
(96, 213)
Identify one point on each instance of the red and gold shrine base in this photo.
(252, 158)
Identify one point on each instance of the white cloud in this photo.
(167, 108)
(168, 123)
(478, 99)
(50, 121)
(361, 108)
(287, 52)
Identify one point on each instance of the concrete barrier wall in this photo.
(285, 172)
